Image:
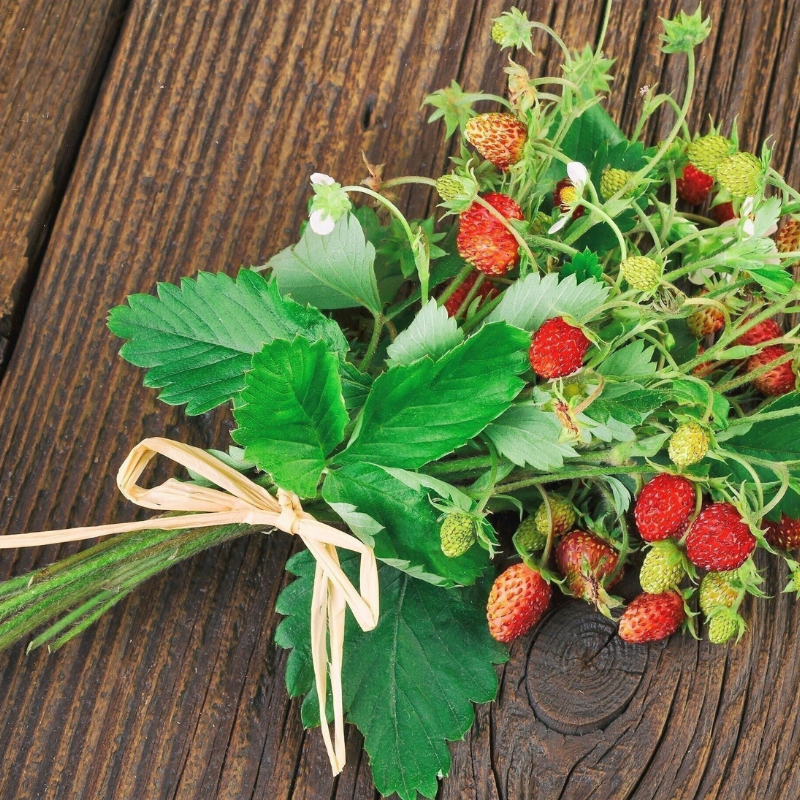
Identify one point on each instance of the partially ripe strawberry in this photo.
(787, 240)
(783, 534)
(723, 212)
(518, 600)
(664, 507)
(705, 321)
(557, 349)
(719, 539)
(485, 292)
(584, 560)
(716, 590)
(762, 332)
(484, 241)
(651, 617)
(499, 138)
(778, 381)
(693, 185)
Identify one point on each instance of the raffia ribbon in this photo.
(244, 502)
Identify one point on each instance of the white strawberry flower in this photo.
(579, 177)
(329, 205)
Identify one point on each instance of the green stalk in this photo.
(64, 591)
(553, 477)
(377, 328)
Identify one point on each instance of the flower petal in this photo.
(559, 223)
(322, 178)
(578, 174)
(321, 222)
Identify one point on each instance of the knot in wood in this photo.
(580, 674)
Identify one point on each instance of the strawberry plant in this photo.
(591, 343)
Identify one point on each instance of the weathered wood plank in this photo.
(52, 59)
(197, 157)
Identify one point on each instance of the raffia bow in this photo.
(244, 502)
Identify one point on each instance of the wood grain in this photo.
(209, 121)
(52, 59)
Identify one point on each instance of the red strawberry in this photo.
(557, 349)
(719, 539)
(784, 534)
(584, 560)
(485, 292)
(693, 185)
(563, 195)
(484, 241)
(762, 332)
(780, 380)
(664, 507)
(723, 212)
(518, 600)
(704, 367)
(499, 138)
(651, 617)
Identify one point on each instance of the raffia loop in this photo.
(240, 501)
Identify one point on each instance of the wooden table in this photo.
(145, 140)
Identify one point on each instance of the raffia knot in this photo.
(237, 501)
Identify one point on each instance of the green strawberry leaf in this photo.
(533, 300)
(584, 266)
(197, 340)
(774, 279)
(333, 271)
(419, 412)
(700, 394)
(410, 684)
(399, 523)
(632, 361)
(355, 386)
(684, 345)
(527, 435)
(293, 413)
(431, 333)
(628, 403)
(772, 440)
(592, 129)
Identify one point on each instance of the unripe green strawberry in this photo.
(716, 591)
(528, 536)
(498, 32)
(739, 174)
(449, 187)
(563, 515)
(641, 273)
(706, 152)
(662, 569)
(612, 181)
(688, 444)
(458, 534)
(722, 627)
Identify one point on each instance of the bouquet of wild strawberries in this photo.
(566, 345)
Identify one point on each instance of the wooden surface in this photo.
(195, 154)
